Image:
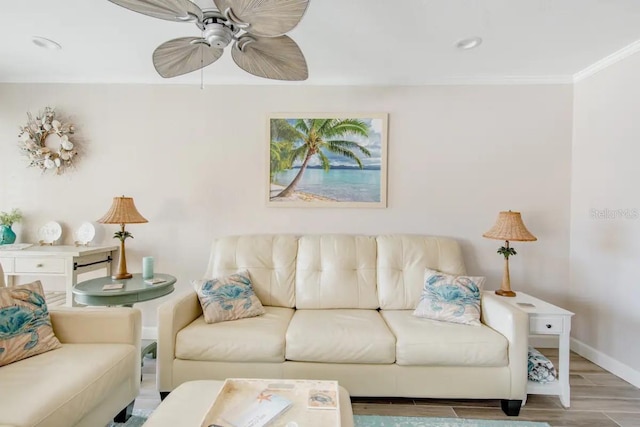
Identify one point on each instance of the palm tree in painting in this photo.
(314, 138)
(280, 158)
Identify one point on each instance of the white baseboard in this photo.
(149, 332)
(623, 371)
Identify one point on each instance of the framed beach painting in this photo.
(327, 160)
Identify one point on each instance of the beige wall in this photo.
(605, 220)
(195, 162)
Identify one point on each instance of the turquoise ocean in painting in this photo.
(352, 185)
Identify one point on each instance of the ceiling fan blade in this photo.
(277, 58)
(266, 18)
(184, 55)
(171, 10)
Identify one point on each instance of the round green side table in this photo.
(92, 292)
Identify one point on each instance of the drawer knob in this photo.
(548, 325)
(39, 265)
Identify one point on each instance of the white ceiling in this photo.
(395, 42)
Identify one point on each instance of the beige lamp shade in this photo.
(509, 226)
(123, 211)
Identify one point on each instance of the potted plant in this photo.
(7, 236)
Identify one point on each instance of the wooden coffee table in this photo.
(188, 403)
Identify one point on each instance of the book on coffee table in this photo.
(258, 412)
(113, 287)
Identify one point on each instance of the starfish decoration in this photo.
(264, 396)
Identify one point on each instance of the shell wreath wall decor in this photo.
(45, 141)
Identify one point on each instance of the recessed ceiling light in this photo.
(469, 43)
(45, 43)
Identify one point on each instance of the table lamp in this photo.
(508, 227)
(123, 211)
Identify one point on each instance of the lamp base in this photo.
(122, 272)
(505, 293)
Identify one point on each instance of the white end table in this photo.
(548, 319)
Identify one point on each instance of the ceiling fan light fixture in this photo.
(470, 43)
(218, 35)
(45, 43)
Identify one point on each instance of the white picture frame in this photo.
(338, 159)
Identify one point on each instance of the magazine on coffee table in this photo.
(273, 403)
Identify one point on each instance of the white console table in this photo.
(548, 319)
(60, 261)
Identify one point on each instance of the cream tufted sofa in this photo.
(340, 307)
(93, 378)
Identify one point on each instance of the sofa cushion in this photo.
(62, 386)
(402, 260)
(25, 324)
(270, 259)
(340, 336)
(336, 271)
(228, 298)
(434, 343)
(450, 298)
(254, 339)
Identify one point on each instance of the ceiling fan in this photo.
(256, 27)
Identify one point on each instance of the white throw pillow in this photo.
(450, 298)
(228, 298)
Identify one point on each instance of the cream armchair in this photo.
(93, 378)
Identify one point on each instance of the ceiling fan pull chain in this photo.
(228, 13)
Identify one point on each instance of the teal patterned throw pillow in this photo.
(228, 298)
(25, 325)
(450, 298)
(540, 367)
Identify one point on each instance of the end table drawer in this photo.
(7, 265)
(39, 265)
(545, 325)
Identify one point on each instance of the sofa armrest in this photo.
(513, 323)
(173, 315)
(97, 325)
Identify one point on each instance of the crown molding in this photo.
(498, 80)
(438, 81)
(607, 61)
(453, 81)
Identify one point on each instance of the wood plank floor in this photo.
(598, 399)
